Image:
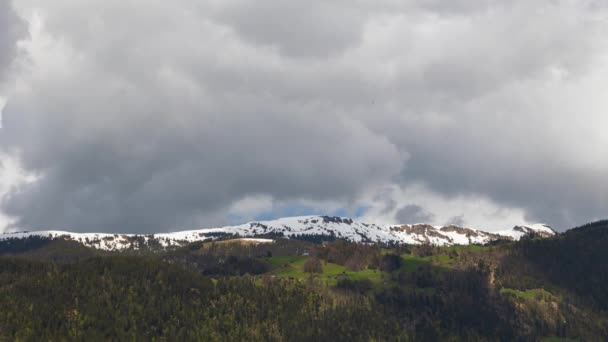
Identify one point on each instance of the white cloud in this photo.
(474, 211)
(11, 176)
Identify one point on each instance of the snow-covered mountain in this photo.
(541, 230)
(334, 227)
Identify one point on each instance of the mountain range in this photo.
(324, 227)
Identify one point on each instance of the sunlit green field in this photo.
(558, 339)
(293, 267)
(537, 294)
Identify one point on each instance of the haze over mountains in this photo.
(303, 227)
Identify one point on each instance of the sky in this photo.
(151, 116)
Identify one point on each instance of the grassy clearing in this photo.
(293, 267)
(533, 294)
(412, 262)
(285, 260)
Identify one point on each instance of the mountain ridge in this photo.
(329, 227)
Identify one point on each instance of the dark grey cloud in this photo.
(12, 29)
(144, 118)
(165, 172)
(127, 143)
(414, 214)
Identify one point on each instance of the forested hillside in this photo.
(295, 290)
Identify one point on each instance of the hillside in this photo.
(310, 227)
(293, 290)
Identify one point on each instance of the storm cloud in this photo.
(152, 116)
(12, 28)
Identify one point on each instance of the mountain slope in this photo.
(307, 226)
(576, 261)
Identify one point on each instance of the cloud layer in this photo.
(148, 116)
(12, 28)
